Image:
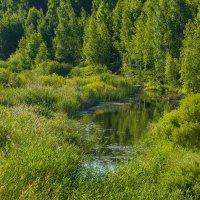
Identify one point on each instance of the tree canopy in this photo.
(157, 35)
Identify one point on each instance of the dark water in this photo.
(115, 128)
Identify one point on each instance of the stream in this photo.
(114, 128)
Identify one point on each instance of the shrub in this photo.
(39, 96)
(182, 126)
(69, 104)
(52, 80)
(18, 63)
(88, 70)
(55, 67)
(4, 76)
(18, 80)
(4, 64)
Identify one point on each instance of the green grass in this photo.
(40, 157)
(60, 94)
(43, 151)
(160, 172)
(165, 166)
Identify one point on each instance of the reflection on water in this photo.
(116, 127)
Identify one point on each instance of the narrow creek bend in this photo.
(115, 127)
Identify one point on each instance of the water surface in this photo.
(116, 127)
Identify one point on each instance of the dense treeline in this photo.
(134, 36)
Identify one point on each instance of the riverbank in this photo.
(164, 166)
(55, 93)
(43, 151)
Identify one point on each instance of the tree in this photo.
(190, 59)
(34, 18)
(78, 5)
(42, 54)
(38, 4)
(172, 70)
(67, 42)
(28, 50)
(49, 23)
(97, 38)
(124, 16)
(11, 30)
(159, 31)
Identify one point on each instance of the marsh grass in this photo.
(61, 94)
(40, 157)
(43, 151)
(165, 166)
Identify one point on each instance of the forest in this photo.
(60, 57)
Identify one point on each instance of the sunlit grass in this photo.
(43, 151)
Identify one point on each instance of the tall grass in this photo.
(61, 94)
(162, 167)
(160, 172)
(42, 151)
(41, 157)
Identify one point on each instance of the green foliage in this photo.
(129, 36)
(159, 169)
(41, 150)
(67, 42)
(164, 172)
(8, 78)
(49, 23)
(124, 16)
(40, 170)
(88, 71)
(39, 97)
(25, 56)
(11, 31)
(54, 67)
(97, 40)
(159, 31)
(4, 64)
(190, 60)
(4, 76)
(172, 70)
(52, 80)
(57, 93)
(40, 158)
(34, 18)
(182, 126)
(42, 55)
(3, 137)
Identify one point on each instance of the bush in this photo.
(4, 64)
(4, 76)
(88, 71)
(18, 63)
(19, 80)
(39, 97)
(52, 80)
(69, 104)
(9, 78)
(182, 126)
(54, 67)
